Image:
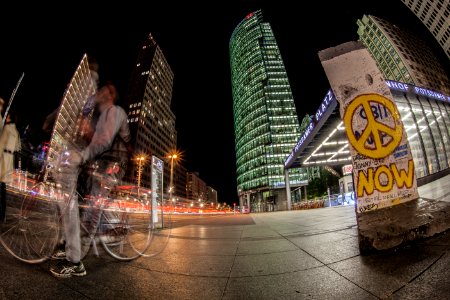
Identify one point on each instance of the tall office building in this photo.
(265, 119)
(66, 129)
(435, 15)
(179, 180)
(152, 123)
(196, 188)
(400, 55)
(211, 195)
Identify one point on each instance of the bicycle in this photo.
(30, 230)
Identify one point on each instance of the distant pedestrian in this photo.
(9, 143)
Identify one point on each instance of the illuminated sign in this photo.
(157, 163)
(249, 16)
(399, 86)
(326, 102)
(431, 94)
(329, 97)
(300, 142)
(404, 87)
(347, 169)
(291, 182)
(157, 187)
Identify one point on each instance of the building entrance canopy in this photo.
(324, 143)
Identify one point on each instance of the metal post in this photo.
(11, 99)
(171, 179)
(306, 194)
(329, 198)
(288, 189)
(139, 176)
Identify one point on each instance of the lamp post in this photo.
(140, 160)
(172, 157)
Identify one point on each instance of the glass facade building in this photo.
(435, 15)
(265, 120)
(151, 121)
(401, 56)
(425, 116)
(67, 130)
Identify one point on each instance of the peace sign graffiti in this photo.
(384, 137)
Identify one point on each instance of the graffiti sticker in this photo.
(373, 125)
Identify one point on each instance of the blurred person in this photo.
(9, 144)
(2, 102)
(108, 150)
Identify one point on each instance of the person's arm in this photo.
(124, 128)
(107, 128)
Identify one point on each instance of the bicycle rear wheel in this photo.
(125, 230)
(30, 229)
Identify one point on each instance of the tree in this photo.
(318, 186)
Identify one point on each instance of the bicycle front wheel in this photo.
(30, 228)
(125, 231)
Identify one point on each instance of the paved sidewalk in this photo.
(437, 190)
(284, 255)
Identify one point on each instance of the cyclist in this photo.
(108, 147)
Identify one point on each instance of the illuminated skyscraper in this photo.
(265, 120)
(400, 55)
(435, 15)
(151, 121)
(66, 130)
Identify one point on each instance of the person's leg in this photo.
(72, 265)
(71, 224)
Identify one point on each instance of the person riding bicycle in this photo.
(108, 149)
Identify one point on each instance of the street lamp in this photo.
(173, 156)
(140, 160)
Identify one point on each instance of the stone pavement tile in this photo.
(316, 239)
(442, 239)
(200, 247)
(203, 232)
(259, 233)
(265, 246)
(23, 281)
(329, 226)
(128, 282)
(436, 189)
(317, 283)
(381, 274)
(333, 251)
(434, 283)
(349, 231)
(199, 265)
(273, 263)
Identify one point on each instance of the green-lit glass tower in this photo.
(265, 121)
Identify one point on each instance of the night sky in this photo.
(47, 43)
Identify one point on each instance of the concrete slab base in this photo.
(400, 224)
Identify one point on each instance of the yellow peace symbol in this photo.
(374, 127)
